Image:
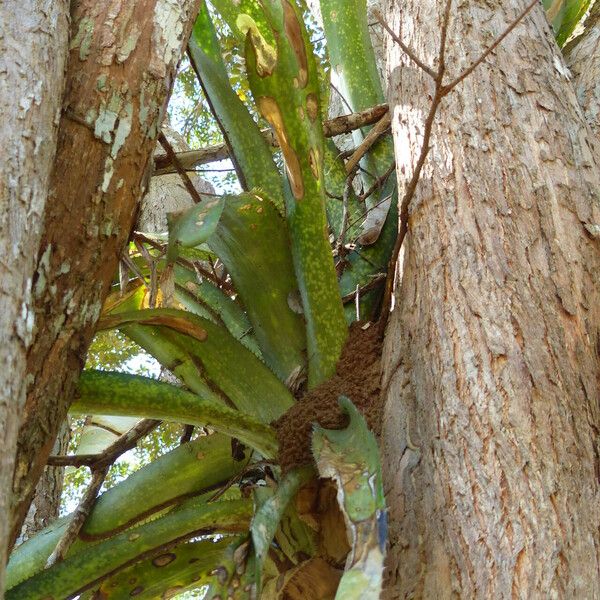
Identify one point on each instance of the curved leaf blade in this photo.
(122, 394)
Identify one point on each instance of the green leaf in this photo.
(192, 294)
(189, 565)
(239, 376)
(353, 60)
(284, 81)
(199, 465)
(565, 15)
(194, 226)
(132, 395)
(80, 570)
(251, 153)
(351, 458)
(252, 242)
(270, 512)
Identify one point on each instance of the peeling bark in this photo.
(33, 54)
(122, 62)
(492, 364)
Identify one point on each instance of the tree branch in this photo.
(106, 458)
(338, 126)
(380, 128)
(79, 516)
(189, 186)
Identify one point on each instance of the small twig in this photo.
(189, 186)
(378, 183)
(406, 49)
(194, 266)
(339, 246)
(186, 436)
(364, 214)
(343, 99)
(443, 42)
(79, 516)
(109, 455)
(378, 130)
(126, 259)
(375, 282)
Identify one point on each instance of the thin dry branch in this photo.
(109, 455)
(379, 182)
(194, 266)
(79, 516)
(380, 128)
(189, 186)
(331, 128)
(406, 49)
(448, 88)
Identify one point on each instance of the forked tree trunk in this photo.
(33, 54)
(122, 62)
(492, 356)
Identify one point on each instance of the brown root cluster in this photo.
(358, 375)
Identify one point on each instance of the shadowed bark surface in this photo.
(491, 361)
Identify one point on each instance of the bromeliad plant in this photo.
(242, 340)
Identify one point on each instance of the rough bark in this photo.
(45, 506)
(33, 53)
(492, 358)
(122, 62)
(583, 58)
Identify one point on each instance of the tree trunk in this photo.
(492, 357)
(33, 53)
(122, 62)
(45, 506)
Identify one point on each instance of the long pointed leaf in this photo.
(268, 515)
(287, 94)
(250, 150)
(243, 379)
(188, 565)
(189, 469)
(79, 571)
(132, 395)
(252, 242)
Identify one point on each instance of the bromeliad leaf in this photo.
(287, 95)
(219, 359)
(191, 468)
(251, 153)
(123, 394)
(194, 564)
(194, 226)
(80, 570)
(269, 512)
(351, 458)
(251, 240)
(565, 15)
